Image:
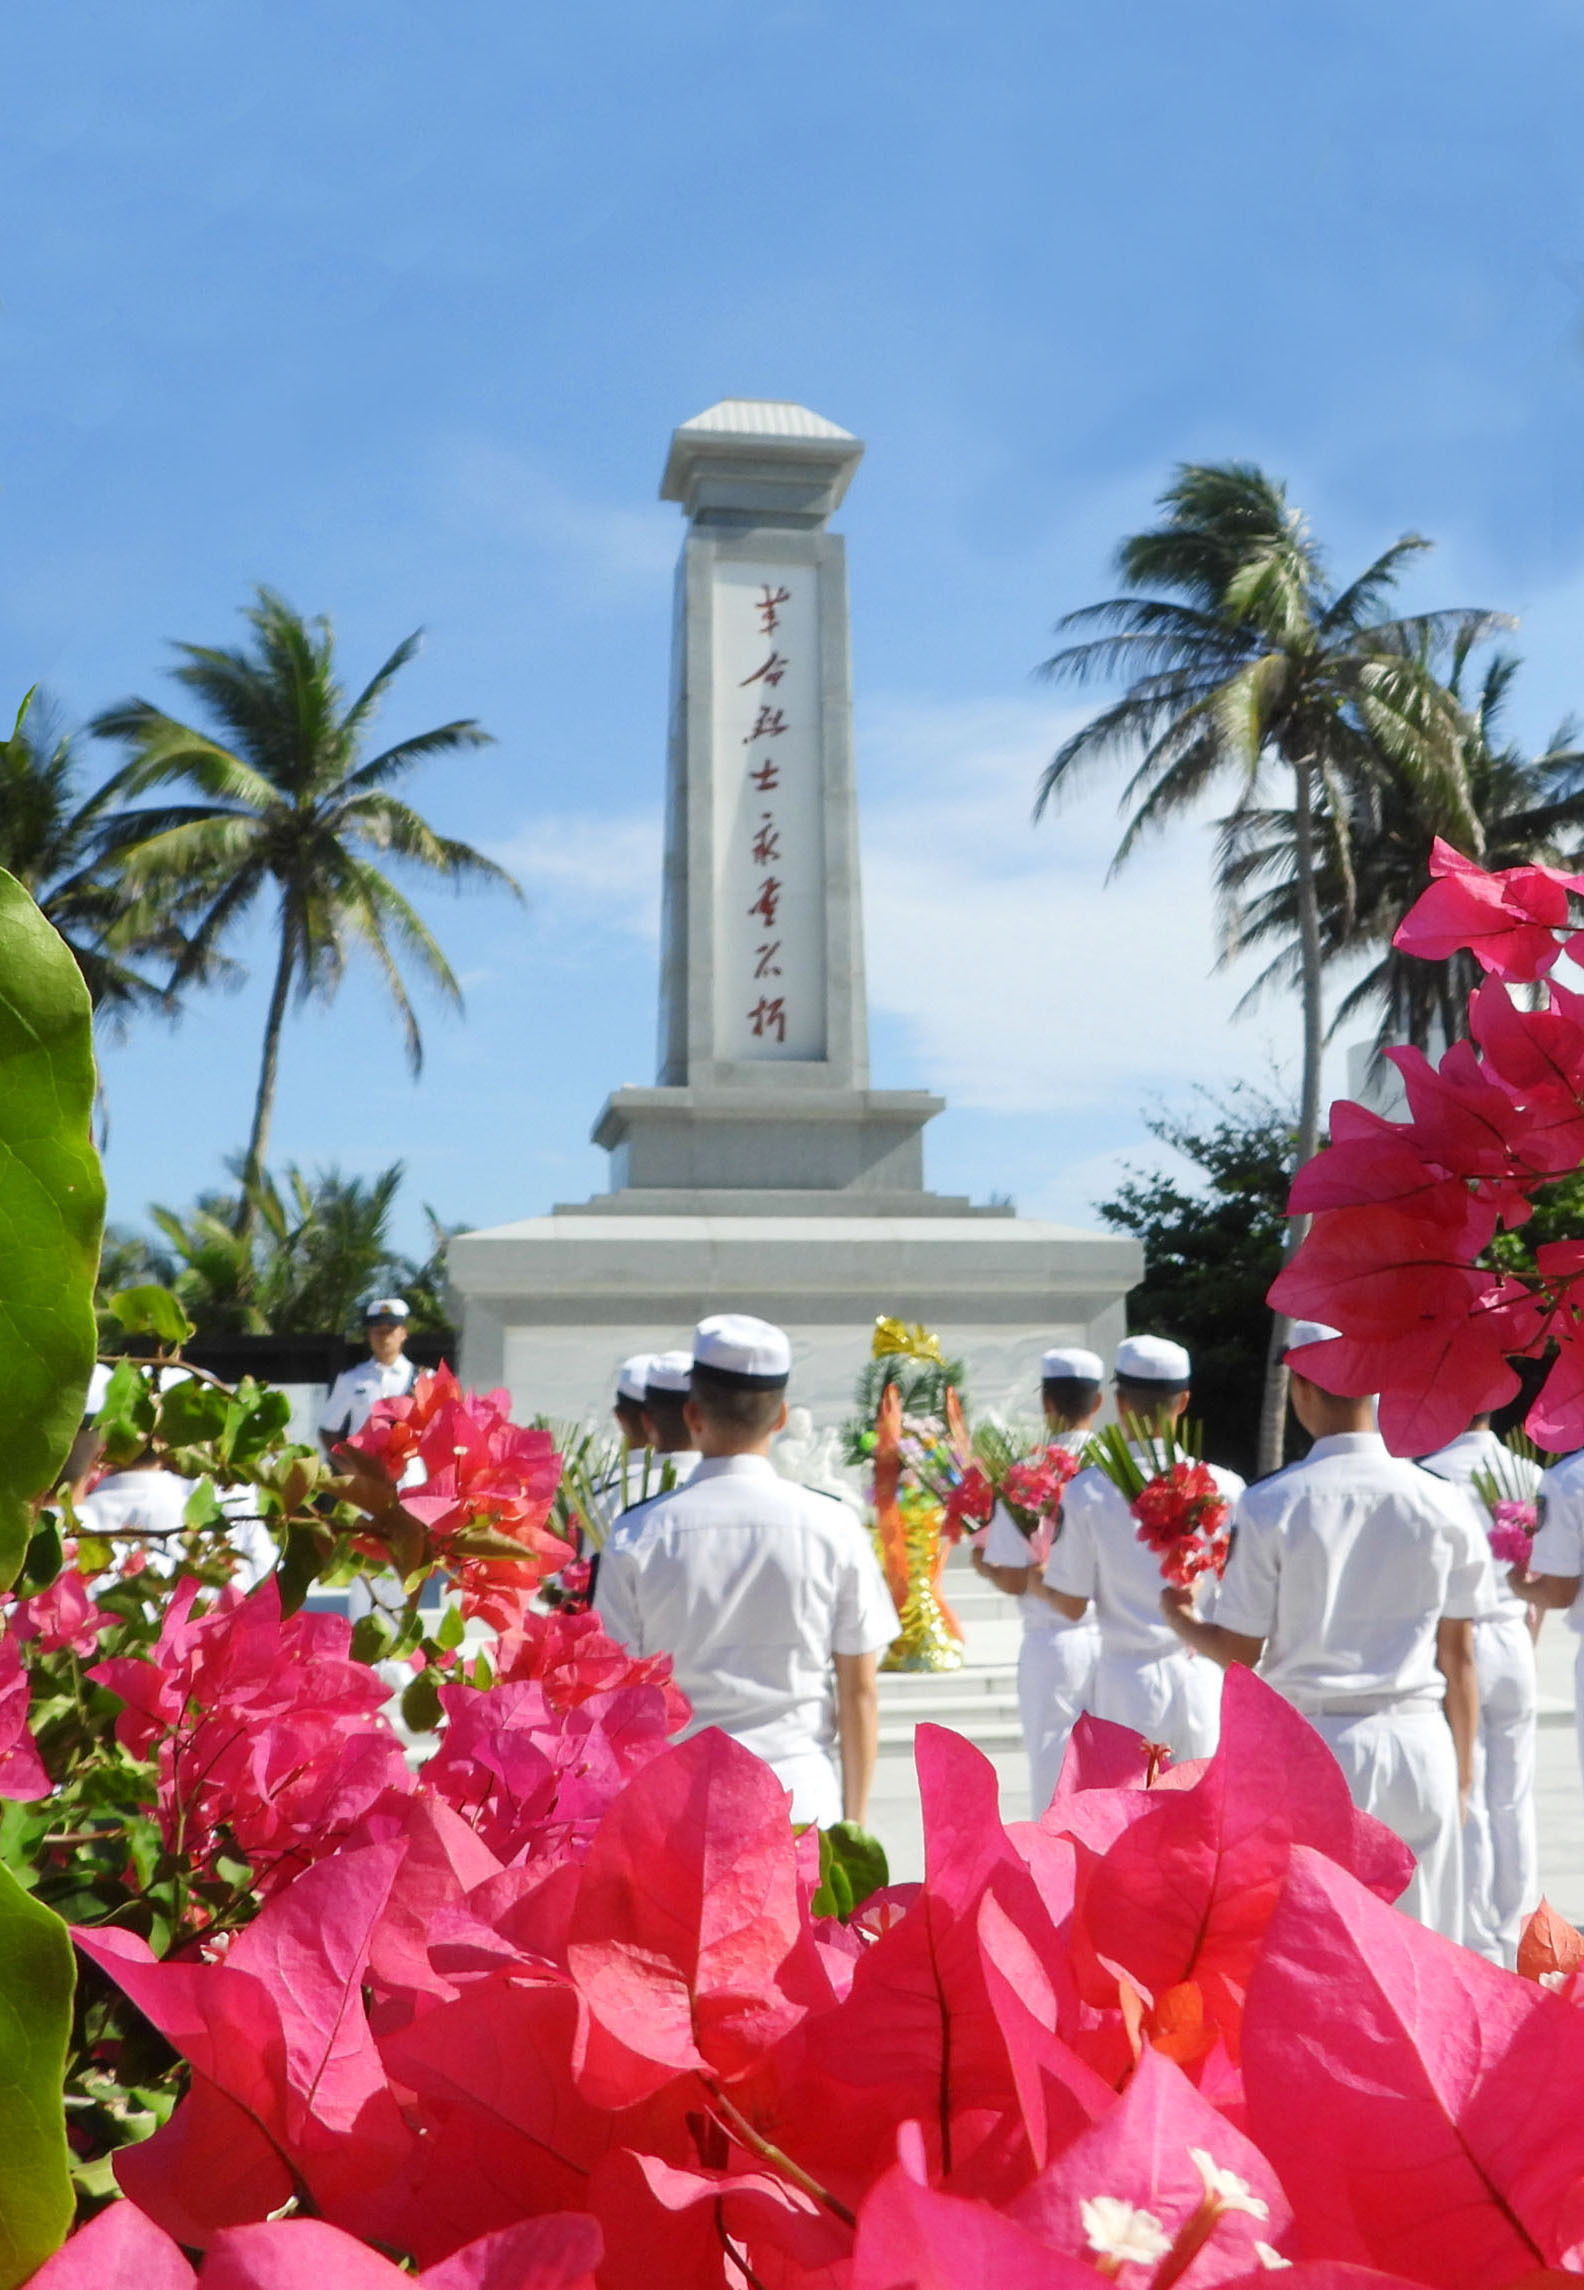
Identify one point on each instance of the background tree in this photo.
(1245, 658)
(53, 838)
(1210, 1253)
(291, 808)
(1375, 862)
(318, 1247)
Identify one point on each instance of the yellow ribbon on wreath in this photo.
(895, 1340)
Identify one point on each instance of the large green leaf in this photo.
(37, 1976)
(51, 1210)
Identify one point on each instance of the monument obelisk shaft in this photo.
(763, 1083)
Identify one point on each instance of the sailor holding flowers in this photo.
(1145, 1676)
(1057, 1658)
(1501, 1854)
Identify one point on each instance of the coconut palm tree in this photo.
(291, 809)
(1374, 863)
(1241, 657)
(52, 839)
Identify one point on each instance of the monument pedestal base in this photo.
(551, 1305)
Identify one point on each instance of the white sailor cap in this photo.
(1069, 1363)
(633, 1376)
(1153, 1360)
(386, 1308)
(670, 1371)
(1308, 1332)
(98, 1384)
(743, 1351)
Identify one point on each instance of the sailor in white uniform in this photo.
(767, 1596)
(1056, 1661)
(1353, 1584)
(666, 1389)
(387, 1373)
(1145, 1677)
(1501, 1854)
(626, 1483)
(1556, 1576)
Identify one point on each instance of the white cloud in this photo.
(1027, 980)
(591, 872)
(597, 544)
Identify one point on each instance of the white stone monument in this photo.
(761, 1172)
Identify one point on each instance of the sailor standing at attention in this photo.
(624, 1483)
(1501, 1854)
(1353, 1583)
(666, 1387)
(1557, 1562)
(1057, 1659)
(1145, 1676)
(387, 1373)
(767, 1596)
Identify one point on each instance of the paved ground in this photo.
(980, 1700)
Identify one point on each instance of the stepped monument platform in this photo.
(760, 1171)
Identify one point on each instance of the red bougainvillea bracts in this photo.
(1173, 2031)
(1183, 1517)
(1404, 1210)
(486, 1490)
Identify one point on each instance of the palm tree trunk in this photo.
(1273, 1409)
(264, 1101)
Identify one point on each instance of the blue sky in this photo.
(394, 307)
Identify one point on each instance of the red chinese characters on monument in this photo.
(764, 840)
(768, 607)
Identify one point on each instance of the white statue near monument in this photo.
(762, 1173)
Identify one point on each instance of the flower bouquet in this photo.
(1507, 1491)
(1027, 1476)
(1180, 1511)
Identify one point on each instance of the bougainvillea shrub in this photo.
(569, 2016)
(1405, 1211)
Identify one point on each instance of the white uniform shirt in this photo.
(1559, 1545)
(1099, 1554)
(750, 1584)
(1006, 1544)
(637, 1480)
(1344, 1564)
(136, 1503)
(355, 1390)
(1482, 1451)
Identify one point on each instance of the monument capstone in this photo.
(761, 1172)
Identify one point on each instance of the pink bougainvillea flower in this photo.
(1143, 2156)
(22, 1771)
(1186, 1891)
(266, 1732)
(531, 1779)
(119, 2249)
(574, 1660)
(62, 1619)
(1508, 918)
(688, 1909)
(1425, 2109)
(483, 1475)
(279, 2031)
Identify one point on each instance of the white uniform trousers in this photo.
(815, 1786)
(1055, 1682)
(1501, 1856)
(1400, 1765)
(1174, 1698)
